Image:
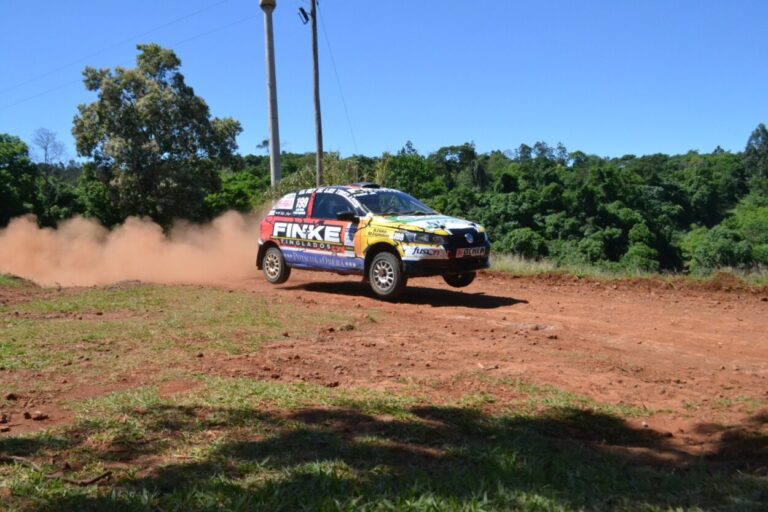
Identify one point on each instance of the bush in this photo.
(524, 242)
(760, 254)
(640, 234)
(723, 247)
(591, 249)
(640, 257)
(240, 191)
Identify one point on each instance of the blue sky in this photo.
(605, 77)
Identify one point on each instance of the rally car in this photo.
(382, 234)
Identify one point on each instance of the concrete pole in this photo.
(316, 76)
(268, 6)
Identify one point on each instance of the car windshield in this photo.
(393, 202)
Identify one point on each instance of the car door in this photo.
(333, 239)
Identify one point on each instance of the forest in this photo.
(149, 147)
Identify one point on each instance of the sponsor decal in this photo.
(470, 252)
(307, 232)
(419, 252)
(285, 202)
(364, 191)
(426, 251)
(307, 244)
(349, 235)
(308, 236)
(301, 205)
(313, 260)
(434, 224)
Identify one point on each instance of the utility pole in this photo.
(316, 76)
(268, 6)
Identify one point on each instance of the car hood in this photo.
(431, 223)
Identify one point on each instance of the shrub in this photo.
(640, 257)
(723, 247)
(524, 242)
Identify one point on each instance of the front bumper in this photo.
(467, 250)
(426, 268)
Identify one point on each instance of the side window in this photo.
(327, 206)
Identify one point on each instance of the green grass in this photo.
(743, 404)
(244, 444)
(531, 399)
(140, 324)
(10, 281)
(519, 266)
(538, 398)
(235, 444)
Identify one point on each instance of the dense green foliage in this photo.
(155, 146)
(155, 151)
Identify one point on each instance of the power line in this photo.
(112, 46)
(43, 93)
(217, 29)
(176, 44)
(338, 82)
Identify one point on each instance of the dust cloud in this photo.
(81, 252)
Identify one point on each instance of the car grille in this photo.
(457, 238)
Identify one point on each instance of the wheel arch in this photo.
(377, 248)
(262, 250)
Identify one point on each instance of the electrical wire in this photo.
(112, 46)
(338, 82)
(43, 93)
(171, 46)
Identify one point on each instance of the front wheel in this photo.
(459, 280)
(274, 267)
(386, 276)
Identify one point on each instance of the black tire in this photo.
(459, 280)
(386, 276)
(274, 267)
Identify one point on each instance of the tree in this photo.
(17, 178)
(756, 159)
(156, 137)
(450, 161)
(52, 150)
(97, 197)
(410, 172)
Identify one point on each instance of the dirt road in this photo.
(696, 360)
(687, 364)
(632, 342)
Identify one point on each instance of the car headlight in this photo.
(423, 238)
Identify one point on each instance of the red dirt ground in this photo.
(695, 359)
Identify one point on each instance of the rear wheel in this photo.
(274, 267)
(386, 276)
(459, 280)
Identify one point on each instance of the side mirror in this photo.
(347, 215)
